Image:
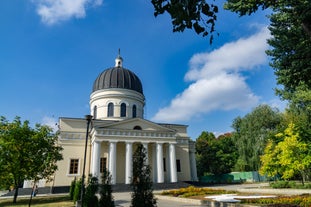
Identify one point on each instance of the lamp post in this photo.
(88, 119)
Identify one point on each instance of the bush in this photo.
(77, 191)
(283, 184)
(90, 199)
(72, 189)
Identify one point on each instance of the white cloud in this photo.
(219, 83)
(279, 104)
(51, 122)
(54, 11)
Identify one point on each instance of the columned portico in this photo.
(112, 167)
(95, 158)
(128, 162)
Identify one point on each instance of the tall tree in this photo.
(142, 195)
(202, 147)
(289, 157)
(27, 153)
(251, 133)
(106, 198)
(90, 198)
(299, 112)
(215, 155)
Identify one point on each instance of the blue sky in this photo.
(53, 50)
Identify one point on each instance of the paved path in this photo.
(262, 188)
(124, 199)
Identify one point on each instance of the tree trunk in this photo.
(15, 194)
(32, 192)
(303, 177)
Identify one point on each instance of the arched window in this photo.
(134, 111)
(95, 112)
(137, 128)
(123, 110)
(110, 110)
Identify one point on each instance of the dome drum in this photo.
(113, 87)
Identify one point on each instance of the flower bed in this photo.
(193, 191)
(303, 200)
(281, 201)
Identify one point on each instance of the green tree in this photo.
(270, 163)
(189, 14)
(223, 155)
(202, 148)
(106, 198)
(141, 184)
(251, 134)
(300, 9)
(27, 153)
(215, 155)
(291, 156)
(299, 112)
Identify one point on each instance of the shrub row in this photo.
(289, 184)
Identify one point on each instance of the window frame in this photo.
(123, 110)
(71, 170)
(110, 110)
(134, 111)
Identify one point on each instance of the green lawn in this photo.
(46, 201)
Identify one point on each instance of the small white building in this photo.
(118, 125)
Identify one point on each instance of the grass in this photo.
(46, 201)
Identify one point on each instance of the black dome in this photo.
(118, 77)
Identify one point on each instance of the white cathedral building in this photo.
(117, 127)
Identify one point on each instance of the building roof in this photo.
(118, 77)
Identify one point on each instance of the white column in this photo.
(173, 169)
(112, 161)
(167, 163)
(95, 159)
(154, 163)
(160, 172)
(147, 156)
(193, 165)
(128, 162)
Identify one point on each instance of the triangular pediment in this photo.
(135, 123)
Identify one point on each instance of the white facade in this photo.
(116, 130)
